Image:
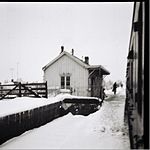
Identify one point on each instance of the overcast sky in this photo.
(31, 35)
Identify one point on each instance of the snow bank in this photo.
(12, 106)
(108, 92)
(119, 90)
(63, 96)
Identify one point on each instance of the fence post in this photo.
(19, 89)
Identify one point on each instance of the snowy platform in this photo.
(104, 129)
(22, 114)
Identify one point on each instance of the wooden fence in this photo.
(16, 124)
(20, 89)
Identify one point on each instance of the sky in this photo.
(32, 34)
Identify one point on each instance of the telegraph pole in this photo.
(17, 71)
(11, 69)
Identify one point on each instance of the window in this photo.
(62, 82)
(65, 82)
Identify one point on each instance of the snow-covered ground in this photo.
(119, 91)
(104, 129)
(12, 106)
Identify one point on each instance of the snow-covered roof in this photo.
(77, 60)
(74, 58)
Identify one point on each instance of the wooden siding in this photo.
(78, 75)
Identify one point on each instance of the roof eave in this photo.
(105, 72)
(53, 61)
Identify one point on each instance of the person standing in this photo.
(114, 88)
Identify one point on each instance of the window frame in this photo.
(65, 81)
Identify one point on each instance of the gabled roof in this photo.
(79, 61)
(74, 58)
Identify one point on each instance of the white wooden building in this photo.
(67, 71)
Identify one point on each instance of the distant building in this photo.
(67, 71)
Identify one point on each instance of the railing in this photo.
(15, 124)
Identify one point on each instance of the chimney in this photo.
(86, 60)
(72, 51)
(62, 49)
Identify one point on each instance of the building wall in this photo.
(78, 75)
(95, 84)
